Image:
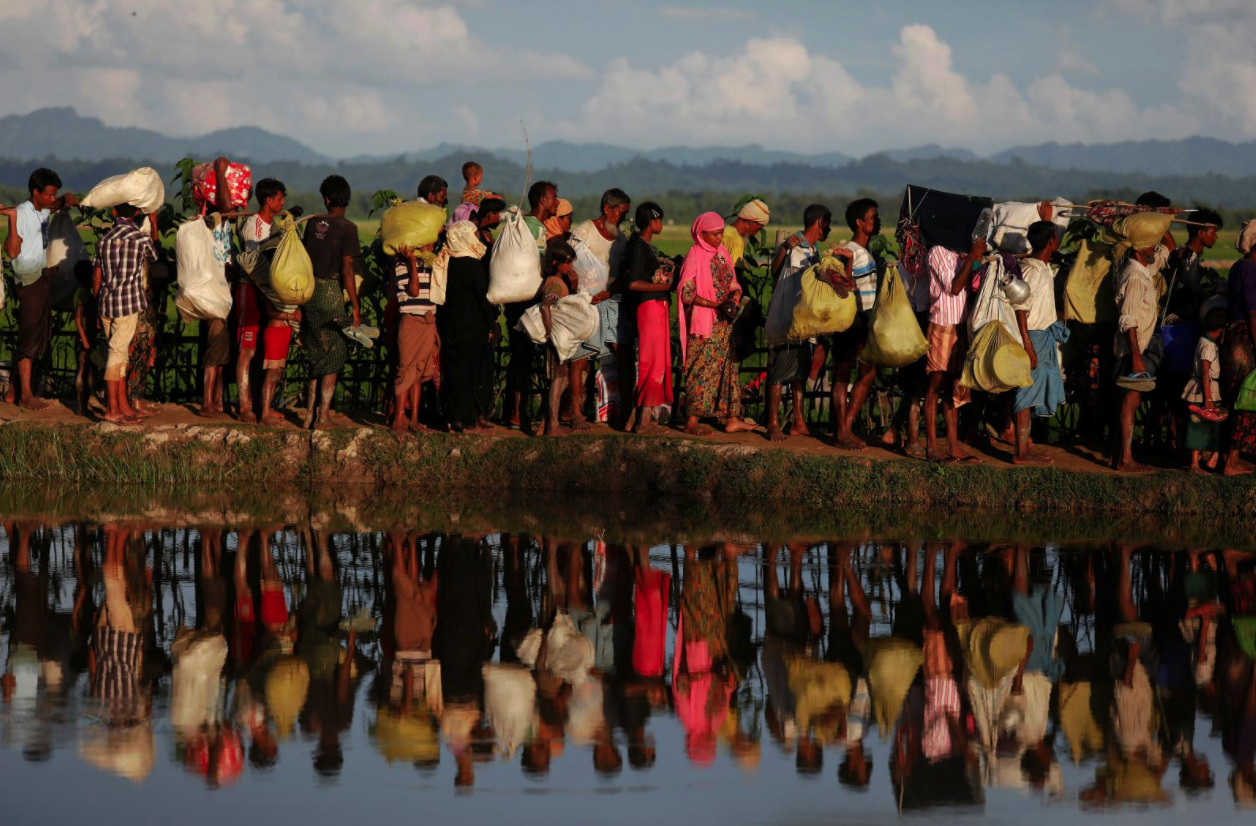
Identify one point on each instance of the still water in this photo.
(165, 673)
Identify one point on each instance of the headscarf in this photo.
(552, 228)
(462, 240)
(1246, 241)
(756, 211)
(697, 268)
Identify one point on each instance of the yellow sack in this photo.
(1137, 232)
(1088, 293)
(411, 224)
(291, 271)
(996, 361)
(820, 310)
(894, 335)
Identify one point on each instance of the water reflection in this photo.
(958, 671)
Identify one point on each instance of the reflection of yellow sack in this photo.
(996, 361)
(291, 271)
(894, 335)
(411, 224)
(821, 694)
(993, 648)
(1088, 293)
(820, 310)
(286, 688)
(892, 666)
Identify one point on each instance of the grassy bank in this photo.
(695, 477)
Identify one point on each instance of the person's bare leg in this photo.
(244, 386)
(1125, 451)
(735, 424)
(327, 388)
(553, 402)
(80, 385)
(416, 396)
(858, 395)
(576, 382)
(797, 426)
(936, 380)
(269, 385)
(695, 428)
(311, 404)
(209, 381)
(1024, 454)
(1235, 466)
(911, 440)
(950, 418)
(400, 428)
(775, 433)
(27, 397)
(841, 408)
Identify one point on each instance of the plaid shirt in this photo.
(121, 254)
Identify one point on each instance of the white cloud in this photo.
(320, 71)
(699, 14)
(1070, 62)
(777, 92)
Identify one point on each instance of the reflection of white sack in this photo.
(128, 752)
(530, 647)
(514, 273)
(196, 687)
(203, 291)
(1012, 221)
(142, 188)
(573, 320)
(509, 704)
(568, 653)
(65, 250)
(593, 272)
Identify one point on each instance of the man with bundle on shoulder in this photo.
(27, 248)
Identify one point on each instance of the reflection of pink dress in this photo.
(700, 719)
(649, 646)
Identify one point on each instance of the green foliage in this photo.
(183, 177)
(382, 200)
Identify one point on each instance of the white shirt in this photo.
(1041, 307)
(253, 231)
(32, 228)
(1136, 305)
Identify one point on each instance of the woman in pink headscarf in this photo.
(709, 297)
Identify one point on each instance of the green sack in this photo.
(894, 335)
(411, 224)
(820, 309)
(996, 361)
(1246, 401)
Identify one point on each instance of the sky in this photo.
(389, 76)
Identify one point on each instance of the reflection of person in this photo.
(329, 710)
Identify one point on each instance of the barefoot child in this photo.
(560, 280)
(1203, 391)
(118, 282)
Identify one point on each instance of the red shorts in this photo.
(275, 344)
(248, 308)
(274, 605)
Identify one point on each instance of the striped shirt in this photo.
(945, 309)
(1136, 305)
(121, 255)
(420, 304)
(864, 273)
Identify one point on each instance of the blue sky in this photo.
(378, 76)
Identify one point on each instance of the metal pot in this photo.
(1016, 291)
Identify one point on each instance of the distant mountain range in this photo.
(63, 133)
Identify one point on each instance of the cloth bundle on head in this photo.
(697, 268)
(1141, 231)
(756, 211)
(1246, 240)
(552, 228)
(461, 241)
